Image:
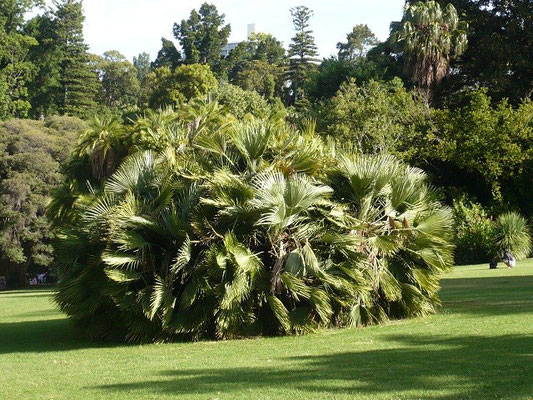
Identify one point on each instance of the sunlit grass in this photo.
(480, 346)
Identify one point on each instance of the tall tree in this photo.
(168, 56)
(358, 42)
(15, 68)
(429, 36)
(500, 48)
(303, 51)
(120, 86)
(259, 64)
(203, 36)
(174, 87)
(79, 81)
(45, 88)
(142, 65)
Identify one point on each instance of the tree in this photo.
(259, 64)
(168, 56)
(302, 51)
(15, 68)
(500, 45)
(241, 102)
(79, 81)
(484, 148)
(430, 37)
(178, 86)
(142, 65)
(378, 117)
(120, 86)
(262, 77)
(358, 42)
(244, 228)
(47, 56)
(31, 154)
(203, 36)
(332, 72)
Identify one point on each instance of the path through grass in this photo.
(479, 347)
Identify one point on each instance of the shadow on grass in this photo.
(488, 296)
(462, 367)
(43, 336)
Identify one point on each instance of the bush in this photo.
(474, 240)
(512, 234)
(241, 102)
(227, 229)
(480, 239)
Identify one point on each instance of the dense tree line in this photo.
(32, 154)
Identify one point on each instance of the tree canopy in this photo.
(203, 36)
(31, 155)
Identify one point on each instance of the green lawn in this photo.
(480, 346)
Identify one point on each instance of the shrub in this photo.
(474, 239)
(481, 239)
(230, 229)
(512, 233)
(241, 102)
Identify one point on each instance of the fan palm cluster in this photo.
(217, 228)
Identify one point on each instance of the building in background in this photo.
(251, 28)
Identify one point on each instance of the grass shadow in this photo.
(468, 367)
(39, 336)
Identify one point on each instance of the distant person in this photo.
(508, 259)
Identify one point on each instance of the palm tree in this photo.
(253, 228)
(429, 38)
(100, 143)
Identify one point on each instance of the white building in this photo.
(227, 48)
(251, 28)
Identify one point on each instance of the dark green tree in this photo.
(484, 148)
(259, 64)
(500, 48)
(168, 88)
(378, 117)
(45, 88)
(327, 79)
(15, 68)
(168, 56)
(203, 36)
(302, 53)
(79, 81)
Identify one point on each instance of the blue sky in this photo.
(133, 26)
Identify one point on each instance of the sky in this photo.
(135, 26)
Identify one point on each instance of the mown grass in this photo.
(480, 346)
